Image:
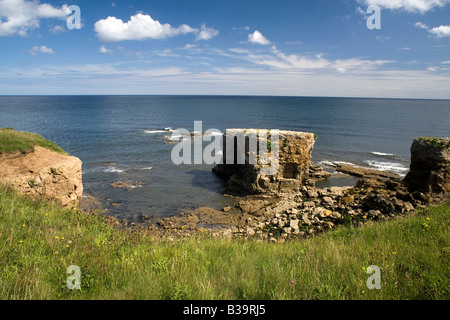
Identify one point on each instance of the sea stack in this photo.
(285, 168)
(430, 166)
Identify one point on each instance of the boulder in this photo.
(430, 166)
(377, 201)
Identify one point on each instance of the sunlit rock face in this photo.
(265, 161)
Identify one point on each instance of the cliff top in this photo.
(12, 141)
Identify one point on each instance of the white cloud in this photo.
(189, 46)
(139, 27)
(416, 6)
(206, 33)
(58, 29)
(121, 79)
(103, 49)
(42, 49)
(440, 32)
(21, 16)
(257, 37)
(144, 27)
(421, 25)
(278, 60)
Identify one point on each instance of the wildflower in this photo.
(292, 281)
(62, 238)
(56, 237)
(428, 219)
(23, 225)
(394, 252)
(20, 241)
(67, 246)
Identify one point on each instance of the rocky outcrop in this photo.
(430, 166)
(290, 155)
(278, 217)
(366, 172)
(317, 173)
(43, 173)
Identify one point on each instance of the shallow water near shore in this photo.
(120, 138)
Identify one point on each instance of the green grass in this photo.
(39, 241)
(437, 142)
(13, 141)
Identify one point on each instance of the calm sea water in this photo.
(119, 138)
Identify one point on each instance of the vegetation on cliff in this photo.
(18, 141)
(39, 241)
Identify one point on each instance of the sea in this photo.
(124, 138)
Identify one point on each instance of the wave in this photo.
(345, 162)
(383, 154)
(326, 163)
(165, 130)
(155, 131)
(387, 166)
(114, 169)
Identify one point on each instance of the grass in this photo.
(13, 141)
(39, 241)
(436, 142)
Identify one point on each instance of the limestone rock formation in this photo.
(366, 172)
(290, 158)
(430, 166)
(43, 173)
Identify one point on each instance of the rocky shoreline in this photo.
(377, 196)
(276, 208)
(294, 216)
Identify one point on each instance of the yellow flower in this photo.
(20, 241)
(67, 246)
(62, 238)
(428, 219)
(23, 225)
(56, 237)
(394, 252)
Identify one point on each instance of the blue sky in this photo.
(218, 47)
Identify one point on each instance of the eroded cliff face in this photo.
(44, 173)
(285, 170)
(430, 166)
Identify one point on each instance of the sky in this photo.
(335, 48)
